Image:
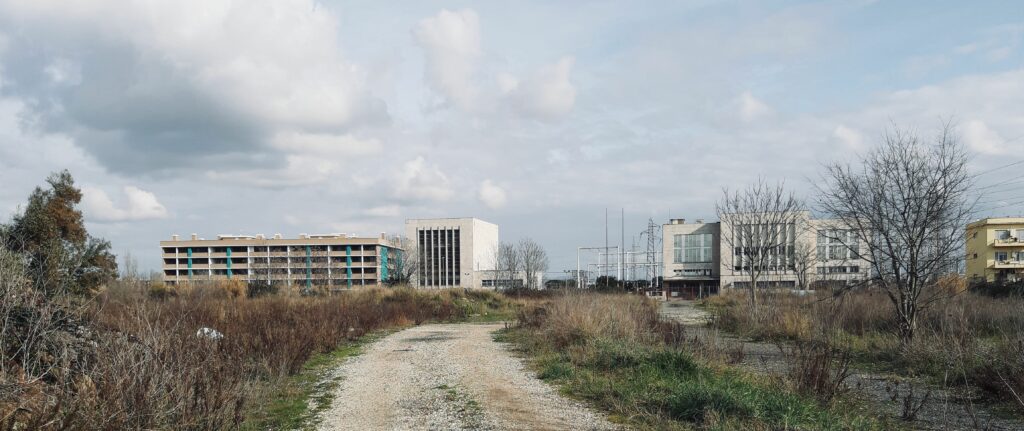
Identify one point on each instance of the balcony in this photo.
(1006, 264)
(1008, 242)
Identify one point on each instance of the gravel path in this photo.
(448, 377)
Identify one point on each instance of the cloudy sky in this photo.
(289, 116)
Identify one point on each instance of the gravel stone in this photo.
(449, 377)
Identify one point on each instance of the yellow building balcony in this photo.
(1010, 242)
(1006, 264)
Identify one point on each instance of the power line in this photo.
(989, 171)
(1013, 180)
(1003, 205)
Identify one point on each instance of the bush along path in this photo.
(912, 401)
(448, 376)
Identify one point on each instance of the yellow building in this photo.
(995, 249)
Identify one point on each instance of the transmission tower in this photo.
(653, 234)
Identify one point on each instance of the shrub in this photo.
(817, 368)
(961, 333)
(614, 350)
(258, 288)
(134, 361)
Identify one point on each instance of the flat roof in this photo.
(996, 221)
(421, 220)
(227, 242)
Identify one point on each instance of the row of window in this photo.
(832, 244)
(300, 261)
(502, 283)
(692, 248)
(295, 274)
(439, 255)
(692, 272)
(271, 249)
(838, 270)
(1004, 256)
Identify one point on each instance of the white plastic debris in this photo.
(209, 333)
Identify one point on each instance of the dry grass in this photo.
(133, 360)
(963, 338)
(577, 316)
(614, 351)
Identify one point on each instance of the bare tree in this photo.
(805, 263)
(407, 266)
(907, 202)
(129, 267)
(759, 229)
(507, 265)
(534, 261)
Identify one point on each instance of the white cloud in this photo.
(752, 108)
(299, 170)
(384, 211)
(140, 205)
(492, 195)
(324, 144)
(420, 181)
(451, 43)
(545, 94)
(207, 77)
(850, 138)
(982, 139)
(64, 72)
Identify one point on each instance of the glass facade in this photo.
(692, 248)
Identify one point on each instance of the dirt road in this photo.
(448, 377)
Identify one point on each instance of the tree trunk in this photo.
(753, 295)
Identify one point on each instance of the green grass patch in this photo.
(657, 387)
(294, 402)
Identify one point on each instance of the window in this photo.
(692, 272)
(1020, 234)
(838, 245)
(1001, 256)
(692, 248)
(1002, 234)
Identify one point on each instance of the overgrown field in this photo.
(964, 339)
(614, 351)
(133, 359)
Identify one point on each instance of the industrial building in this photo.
(995, 249)
(452, 252)
(335, 261)
(692, 256)
(805, 254)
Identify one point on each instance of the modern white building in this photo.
(701, 258)
(452, 252)
(692, 258)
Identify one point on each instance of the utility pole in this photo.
(622, 245)
(605, 273)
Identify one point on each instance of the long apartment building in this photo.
(453, 252)
(335, 261)
(701, 258)
(995, 249)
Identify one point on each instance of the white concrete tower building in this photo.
(452, 252)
